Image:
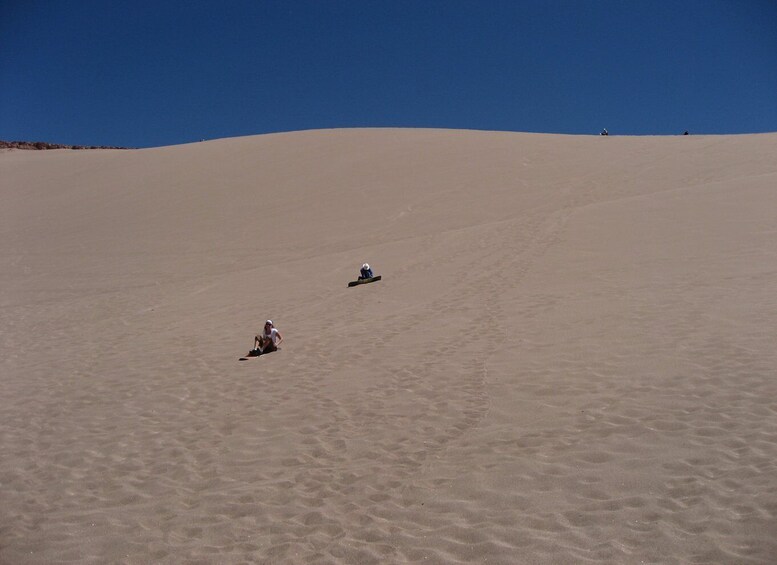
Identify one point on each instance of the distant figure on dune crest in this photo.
(366, 272)
(686, 132)
(269, 340)
(604, 132)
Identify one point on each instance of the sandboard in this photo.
(256, 353)
(364, 281)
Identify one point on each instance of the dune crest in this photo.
(569, 357)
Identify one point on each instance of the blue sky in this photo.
(147, 73)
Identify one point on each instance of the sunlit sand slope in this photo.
(570, 358)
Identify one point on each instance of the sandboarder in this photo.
(365, 272)
(268, 340)
(365, 276)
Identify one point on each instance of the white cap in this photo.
(269, 322)
(366, 266)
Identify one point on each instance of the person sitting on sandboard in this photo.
(365, 276)
(365, 272)
(268, 340)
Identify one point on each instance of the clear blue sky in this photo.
(147, 73)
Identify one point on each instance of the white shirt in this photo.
(273, 335)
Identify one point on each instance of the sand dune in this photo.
(570, 358)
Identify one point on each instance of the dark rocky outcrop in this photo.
(37, 145)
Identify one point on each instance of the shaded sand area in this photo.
(570, 358)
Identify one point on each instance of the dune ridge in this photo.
(569, 358)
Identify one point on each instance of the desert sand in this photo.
(570, 358)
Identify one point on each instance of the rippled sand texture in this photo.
(570, 358)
